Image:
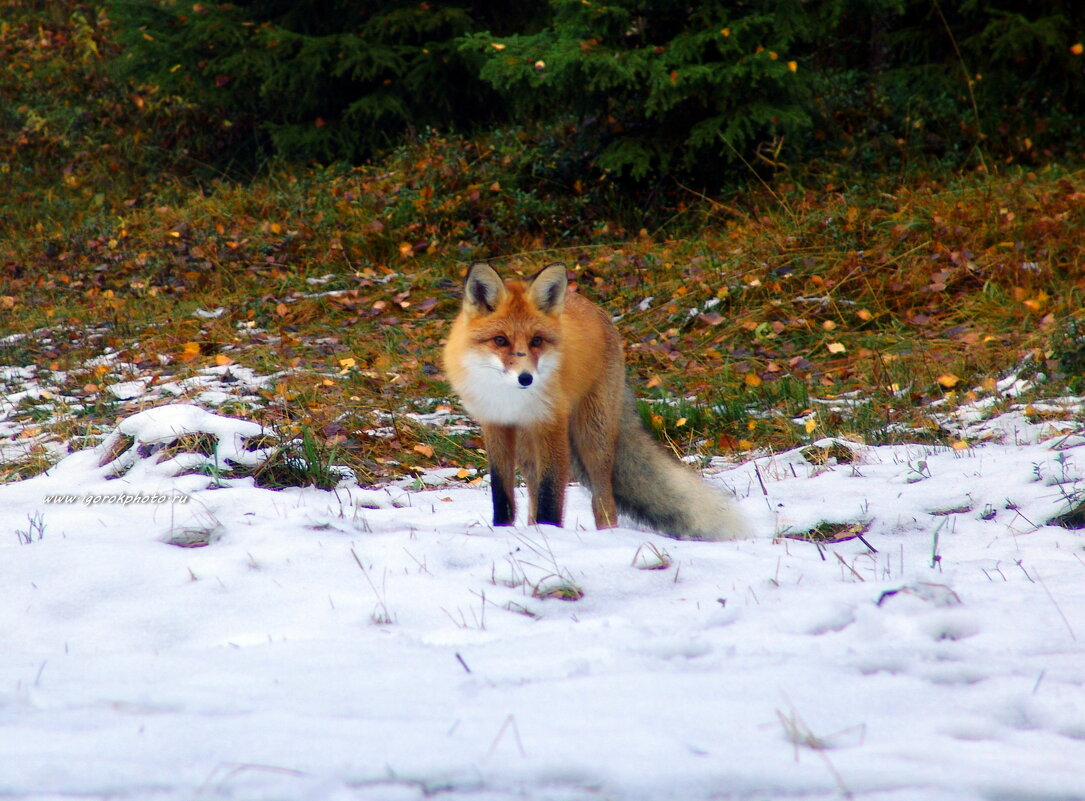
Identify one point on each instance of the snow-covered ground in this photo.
(391, 644)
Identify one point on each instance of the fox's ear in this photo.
(482, 289)
(547, 289)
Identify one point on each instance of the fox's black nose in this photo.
(525, 379)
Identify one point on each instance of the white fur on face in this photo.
(493, 394)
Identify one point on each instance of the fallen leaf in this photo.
(190, 351)
(948, 380)
(425, 450)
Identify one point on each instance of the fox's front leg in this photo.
(544, 460)
(501, 452)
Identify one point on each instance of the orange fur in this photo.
(542, 371)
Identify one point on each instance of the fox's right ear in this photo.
(482, 289)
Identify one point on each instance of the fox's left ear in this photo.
(483, 289)
(547, 288)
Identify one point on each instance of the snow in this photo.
(387, 643)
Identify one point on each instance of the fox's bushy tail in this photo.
(658, 491)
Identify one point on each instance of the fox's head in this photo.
(511, 333)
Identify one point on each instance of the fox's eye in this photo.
(536, 341)
(501, 341)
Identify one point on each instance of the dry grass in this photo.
(790, 312)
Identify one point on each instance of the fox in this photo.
(542, 370)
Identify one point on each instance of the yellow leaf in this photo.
(753, 380)
(425, 450)
(793, 66)
(222, 360)
(348, 362)
(680, 422)
(190, 351)
(948, 380)
(836, 347)
(497, 46)
(810, 424)
(745, 444)
(725, 31)
(864, 315)
(463, 473)
(960, 445)
(751, 425)
(276, 228)
(405, 249)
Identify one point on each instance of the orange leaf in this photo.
(222, 360)
(753, 380)
(948, 380)
(190, 351)
(425, 450)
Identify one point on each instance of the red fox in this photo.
(542, 370)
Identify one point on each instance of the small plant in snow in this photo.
(34, 531)
(653, 559)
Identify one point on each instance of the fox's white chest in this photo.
(493, 394)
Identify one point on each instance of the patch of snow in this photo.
(167, 639)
